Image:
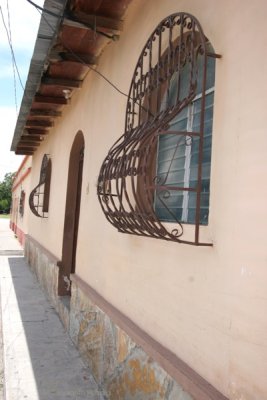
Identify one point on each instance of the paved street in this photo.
(40, 361)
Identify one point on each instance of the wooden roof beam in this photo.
(28, 143)
(69, 83)
(50, 100)
(24, 152)
(82, 58)
(63, 54)
(44, 113)
(38, 123)
(22, 145)
(40, 132)
(82, 20)
(26, 148)
(29, 138)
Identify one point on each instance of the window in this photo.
(178, 154)
(156, 177)
(39, 197)
(21, 203)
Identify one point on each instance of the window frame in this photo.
(40, 195)
(22, 203)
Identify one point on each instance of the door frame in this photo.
(72, 215)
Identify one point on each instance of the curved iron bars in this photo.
(128, 184)
(39, 196)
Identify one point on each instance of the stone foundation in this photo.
(121, 368)
(124, 360)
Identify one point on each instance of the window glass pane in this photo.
(206, 156)
(184, 82)
(210, 74)
(179, 122)
(178, 156)
(191, 215)
(169, 205)
(174, 178)
(171, 159)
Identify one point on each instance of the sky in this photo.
(23, 21)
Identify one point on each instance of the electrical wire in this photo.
(78, 58)
(11, 49)
(13, 65)
(44, 10)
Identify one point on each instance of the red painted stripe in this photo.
(19, 233)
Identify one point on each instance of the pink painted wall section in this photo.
(19, 233)
(22, 183)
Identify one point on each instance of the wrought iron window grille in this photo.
(22, 203)
(170, 75)
(39, 196)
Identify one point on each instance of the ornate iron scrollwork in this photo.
(129, 186)
(39, 196)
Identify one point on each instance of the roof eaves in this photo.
(47, 32)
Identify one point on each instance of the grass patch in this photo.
(5, 216)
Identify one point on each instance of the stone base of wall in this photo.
(122, 369)
(126, 363)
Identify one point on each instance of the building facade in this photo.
(150, 246)
(20, 192)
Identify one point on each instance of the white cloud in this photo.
(6, 70)
(24, 21)
(9, 162)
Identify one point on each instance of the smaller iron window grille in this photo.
(22, 203)
(39, 197)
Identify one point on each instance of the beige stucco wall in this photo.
(21, 182)
(208, 305)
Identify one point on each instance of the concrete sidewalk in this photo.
(40, 361)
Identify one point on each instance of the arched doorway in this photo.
(72, 214)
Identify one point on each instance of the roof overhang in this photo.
(71, 37)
